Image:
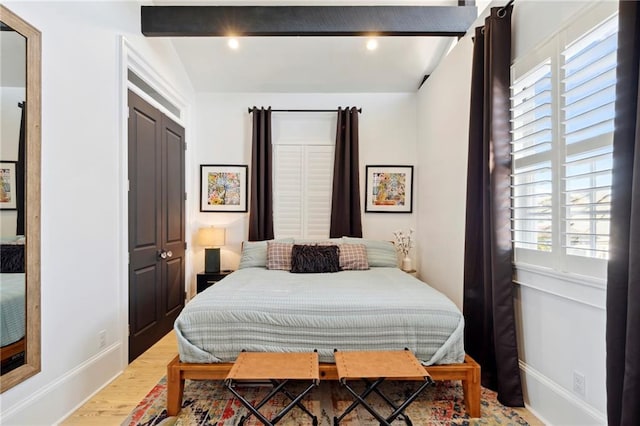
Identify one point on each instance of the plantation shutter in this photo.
(302, 190)
(589, 79)
(532, 199)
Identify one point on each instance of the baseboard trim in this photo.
(537, 414)
(52, 404)
(573, 409)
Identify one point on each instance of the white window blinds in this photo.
(531, 149)
(589, 93)
(303, 179)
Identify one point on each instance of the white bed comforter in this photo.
(255, 309)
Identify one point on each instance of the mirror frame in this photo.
(32, 200)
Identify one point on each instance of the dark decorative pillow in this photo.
(11, 258)
(315, 259)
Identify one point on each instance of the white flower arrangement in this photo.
(404, 241)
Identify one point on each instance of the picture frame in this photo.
(8, 185)
(389, 189)
(223, 188)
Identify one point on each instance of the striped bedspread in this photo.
(255, 309)
(12, 308)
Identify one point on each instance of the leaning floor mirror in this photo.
(19, 199)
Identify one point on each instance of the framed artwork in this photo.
(8, 185)
(389, 189)
(223, 188)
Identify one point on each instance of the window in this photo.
(562, 113)
(588, 102)
(302, 190)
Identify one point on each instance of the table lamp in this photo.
(212, 239)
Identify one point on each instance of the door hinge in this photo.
(129, 330)
(128, 185)
(185, 245)
(185, 146)
(185, 196)
(128, 258)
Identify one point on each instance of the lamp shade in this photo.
(211, 237)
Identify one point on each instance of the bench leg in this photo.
(175, 387)
(471, 387)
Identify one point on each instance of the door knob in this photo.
(163, 254)
(169, 253)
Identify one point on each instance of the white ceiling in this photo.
(310, 64)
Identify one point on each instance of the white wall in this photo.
(222, 135)
(82, 197)
(443, 129)
(560, 324)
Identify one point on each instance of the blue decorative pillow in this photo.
(379, 252)
(315, 259)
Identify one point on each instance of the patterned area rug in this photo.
(208, 402)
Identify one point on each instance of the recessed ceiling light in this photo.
(372, 44)
(233, 43)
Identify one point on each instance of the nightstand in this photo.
(207, 279)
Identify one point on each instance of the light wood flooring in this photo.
(112, 405)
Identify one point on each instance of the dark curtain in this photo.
(345, 199)
(261, 209)
(623, 276)
(490, 332)
(20, 172)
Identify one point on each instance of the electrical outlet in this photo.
(579, 383)
(102, 339)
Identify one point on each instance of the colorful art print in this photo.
(8, 185)
(389, 189)
(223, 188)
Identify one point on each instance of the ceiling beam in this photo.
(223, 21)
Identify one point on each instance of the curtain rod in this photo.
(302, 110)
(503, 9)
(21, 104)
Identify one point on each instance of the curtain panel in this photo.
(346, 218)
(21, 176)
(490, 332)
(623, 274)
(261, 199)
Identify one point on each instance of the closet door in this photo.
(156, 224)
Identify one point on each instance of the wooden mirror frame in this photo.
(32, 200)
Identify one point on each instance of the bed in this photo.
(12, 303)
(264, 310)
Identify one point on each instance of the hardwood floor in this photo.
(112, 405)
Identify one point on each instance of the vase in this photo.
(406, 264)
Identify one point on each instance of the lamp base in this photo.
(212, 260)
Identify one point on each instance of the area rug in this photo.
(208, 402)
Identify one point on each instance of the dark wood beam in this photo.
(426, 76)
(222, 21)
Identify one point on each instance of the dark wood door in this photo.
(156, 224)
